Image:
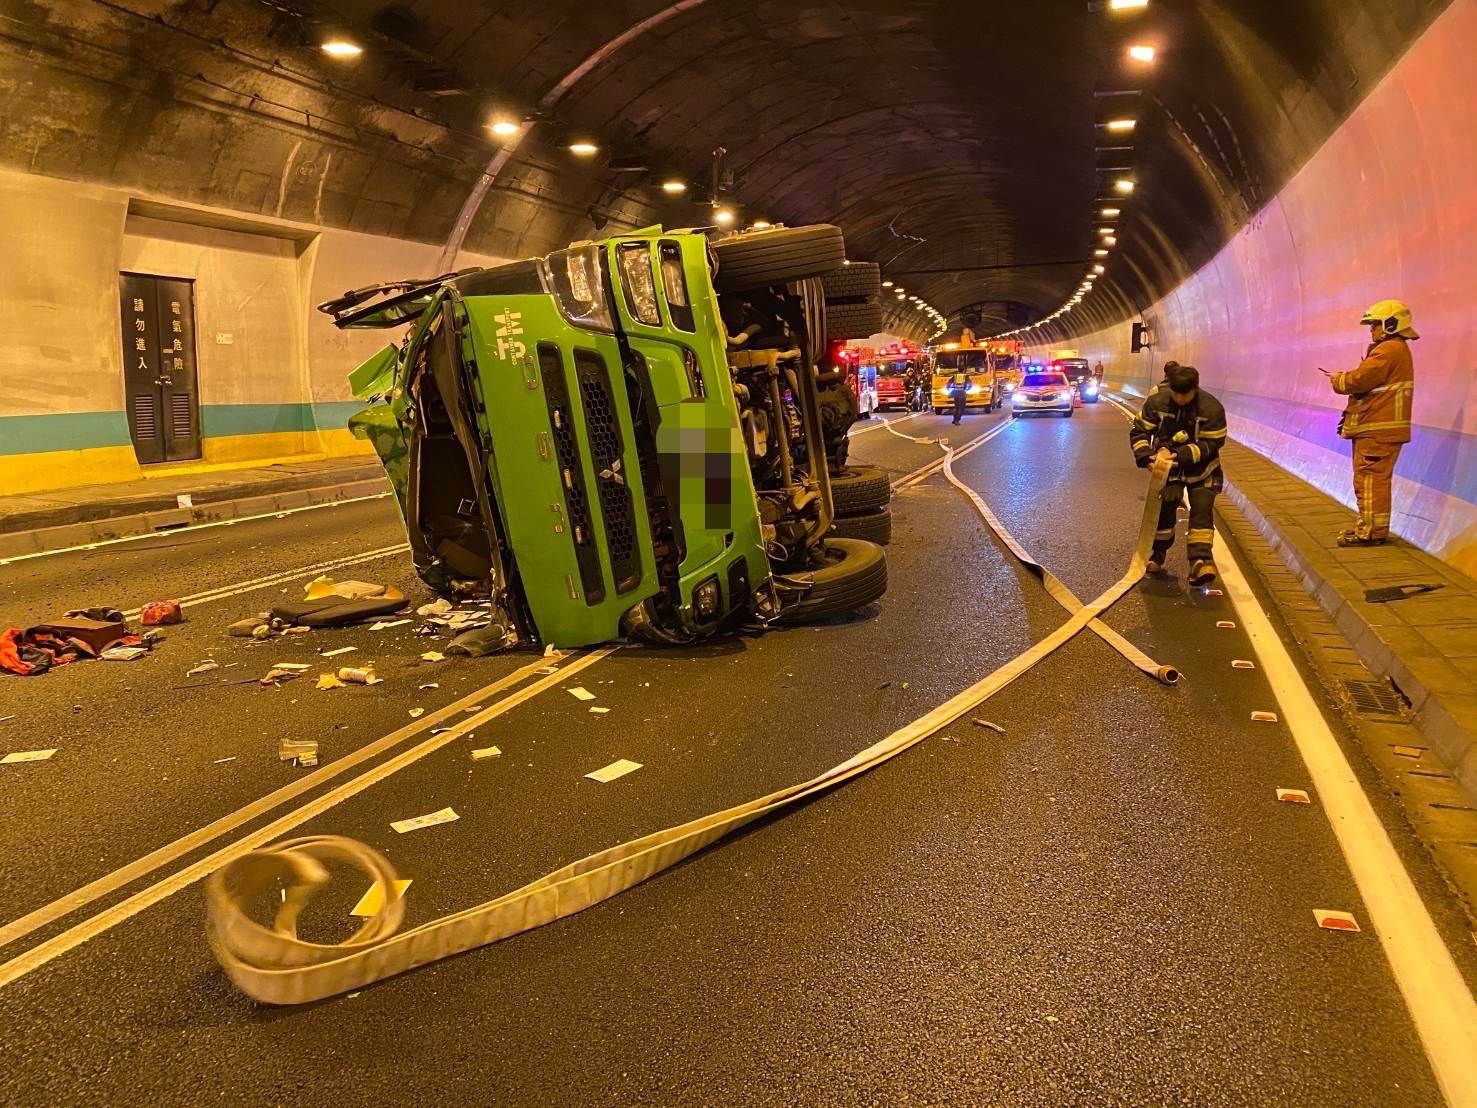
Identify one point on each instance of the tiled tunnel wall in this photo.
(1386, 208)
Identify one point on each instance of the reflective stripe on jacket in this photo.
(1195, 433)
(1380, 391)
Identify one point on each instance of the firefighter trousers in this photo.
(958, 405)
(1201, 532)
(1374, 472)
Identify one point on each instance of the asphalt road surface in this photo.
(1103, 905)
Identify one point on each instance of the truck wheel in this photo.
(754, 259)
(853, 321)
(857, 281)
(853, 576)
(860, 489)
(874, 526)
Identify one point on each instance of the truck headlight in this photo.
(705, 600)
(577, 279)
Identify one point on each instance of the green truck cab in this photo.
(582, 440)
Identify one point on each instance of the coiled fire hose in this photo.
(273, 965)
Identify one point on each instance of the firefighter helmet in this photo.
(1393, 316)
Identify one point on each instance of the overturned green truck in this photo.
(639, 437)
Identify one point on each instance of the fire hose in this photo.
(272, 964)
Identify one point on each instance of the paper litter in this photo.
(609, 773)
(445, 815)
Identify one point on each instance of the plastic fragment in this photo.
(374, 898)
(434, 608)
(547, 669)
(431, 685)
(219, 761)
(485, 753)
(329, 681)
(616, 769)
(298, 750)
(297, 667)
(986, 723)
(1264, 717)
(416, 713)
(599, 711)
(28, 756)
(336, 653)
(1242, 663)
(385, 625)
(1294, 796)
(1335, 921)
(431, 819)
(123, 653)
(433, 656)
(1214, 592)
(204, 667)
(579, 692)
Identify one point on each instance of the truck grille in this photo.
(617, 506)
(571, 472)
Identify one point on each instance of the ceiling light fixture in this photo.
(1121, 126)
(723, 216)
(1123, 185)
(887, 284)
(583, 149)
(761, 225)
(1127, 5)
(1099, 269)
(674, 187)
(1111, 213)
(503, 128)
(1141, 53)
(1110, 240)
(341, 48)
(1099, 253)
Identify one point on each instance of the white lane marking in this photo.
(190, 529)
(131, 906)
(923, 473)
(1437, 996)
(881, 423)
(222, 592)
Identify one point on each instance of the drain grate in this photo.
(1374, 698)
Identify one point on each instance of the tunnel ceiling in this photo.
(959, 144)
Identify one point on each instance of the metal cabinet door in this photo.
(161, 385)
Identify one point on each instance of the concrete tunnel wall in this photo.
(1386, 208)
(272, 371)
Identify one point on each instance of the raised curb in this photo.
(1442, 698)
(43, 539)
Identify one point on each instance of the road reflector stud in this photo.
(1407, 751)
(1264, 717)
(1225, 624)
(1294, 796)
(1242, 663)
(1335, 921)
(374, 898)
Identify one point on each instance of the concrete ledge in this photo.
(1426, 645)
(40, 540)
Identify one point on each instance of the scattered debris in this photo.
(1398, 592)
(322, 588)
(431, 685)
(616, 769)
(485, 753)
(550, 650)
(296, 630)
(884, 685)
(1225, 625)
(547, 669)
(435, 608)
(1214, 592)
(246, 628)
(433, 656)
(986, 723)
(1407, 751)
(302, 751)
(206, 666)
(482, 640)
(416, 713)
(123, 653)
(330, 681)
(159, 612)
(184, 500)
(1264, 717)
(1294, 796)
(599, 711)
(336, 653)
(299, 667)
(907, 684)
(352, 676)
(1242, 663)
(385, 625)
(6, 719)
(28, 756)
(219, 761)
(374, 898)
(1335, 921)
(579, 692)
(280, 676)
(1052, 1019)
(445, 815)
(440, 730)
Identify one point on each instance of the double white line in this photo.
(454, 716)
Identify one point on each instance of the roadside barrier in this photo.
(273, 965)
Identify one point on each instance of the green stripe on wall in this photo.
(35, 434)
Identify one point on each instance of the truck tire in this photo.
(855, 574)
(874, 526)
(753, 259)
(859, 489)
(857, 281)
(853, 321)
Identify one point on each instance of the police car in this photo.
(1043, 391)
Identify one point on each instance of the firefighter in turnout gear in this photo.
(1189, 424)
(1377, 419)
